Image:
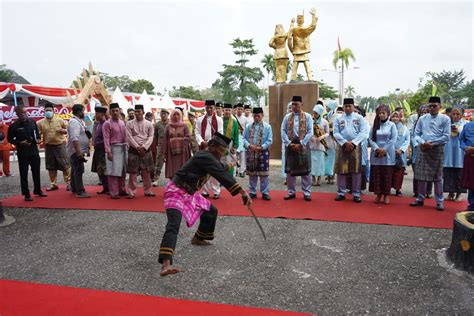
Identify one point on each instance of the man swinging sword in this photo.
(182, 199)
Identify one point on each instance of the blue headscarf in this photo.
(319, 108)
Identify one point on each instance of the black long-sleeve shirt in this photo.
(196, 171)
(19, 131)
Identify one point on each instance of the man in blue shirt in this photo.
(350, 132)
(432, 132)
(257, 140)
(296, 132)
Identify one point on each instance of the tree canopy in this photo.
(238, 82)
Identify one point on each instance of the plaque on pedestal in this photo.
(279, 96)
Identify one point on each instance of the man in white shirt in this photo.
(206, 126)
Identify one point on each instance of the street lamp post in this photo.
(341, 79)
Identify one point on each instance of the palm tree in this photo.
(344, 56)
(350, 91)
(269, 65)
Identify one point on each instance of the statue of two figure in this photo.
(298, 43)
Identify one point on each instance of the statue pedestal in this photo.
(279, 96)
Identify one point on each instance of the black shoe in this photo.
(417, 203)
(28, 198)
(340, 198)
(289, 197)
(439, 207)
(205, 194)
(399, 193)
(103, 192)
(307, 198)
(266, 197)
(252, 196)
(216, 196)
(123, 193)
(357, 199)
(41, 194)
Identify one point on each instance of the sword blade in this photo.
(257, 221)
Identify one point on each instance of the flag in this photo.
(407, 107)
(433, 89)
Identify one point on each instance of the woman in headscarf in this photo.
(382, 139)
(454, 158)
(401, 148)
(317, 144)
(175, 148)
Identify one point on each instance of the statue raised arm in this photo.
(299, 43)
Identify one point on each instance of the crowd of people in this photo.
(325, 143)
(201, 154)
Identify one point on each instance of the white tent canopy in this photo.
(167, 103)
(145, 100)
(119, 98)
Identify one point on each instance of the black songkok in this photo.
(297, 98)
(100, 109)
(257, 110)
(348, 101)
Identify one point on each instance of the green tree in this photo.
(344, 56)
(6, 75)
(187, 92)
(139, 85)
(369, 103)
(449, 81)
(238, 82)
(326, 91)
(466, 92)
(112, 82)
(269, 65)
(350, 91)
(212, 93)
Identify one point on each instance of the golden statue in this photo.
(298, 43)
(278, 42)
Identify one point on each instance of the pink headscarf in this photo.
(176, 121)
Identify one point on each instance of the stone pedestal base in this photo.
(280, 95)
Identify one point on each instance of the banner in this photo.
(8, 115)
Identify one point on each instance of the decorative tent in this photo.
(30, 95)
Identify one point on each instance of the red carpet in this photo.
(322, 207)
(22, 298)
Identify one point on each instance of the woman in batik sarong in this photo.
(175, 148)
(382, 139)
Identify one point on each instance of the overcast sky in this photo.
(173, 43)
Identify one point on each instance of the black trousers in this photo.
(205, 231)
(77, 170)
(105, 183)
(33, 161)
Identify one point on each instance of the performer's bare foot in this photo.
(167, 269)
(199, 242)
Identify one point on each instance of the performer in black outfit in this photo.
(182, 198)
(24, 134)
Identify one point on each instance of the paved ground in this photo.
(309, 266)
